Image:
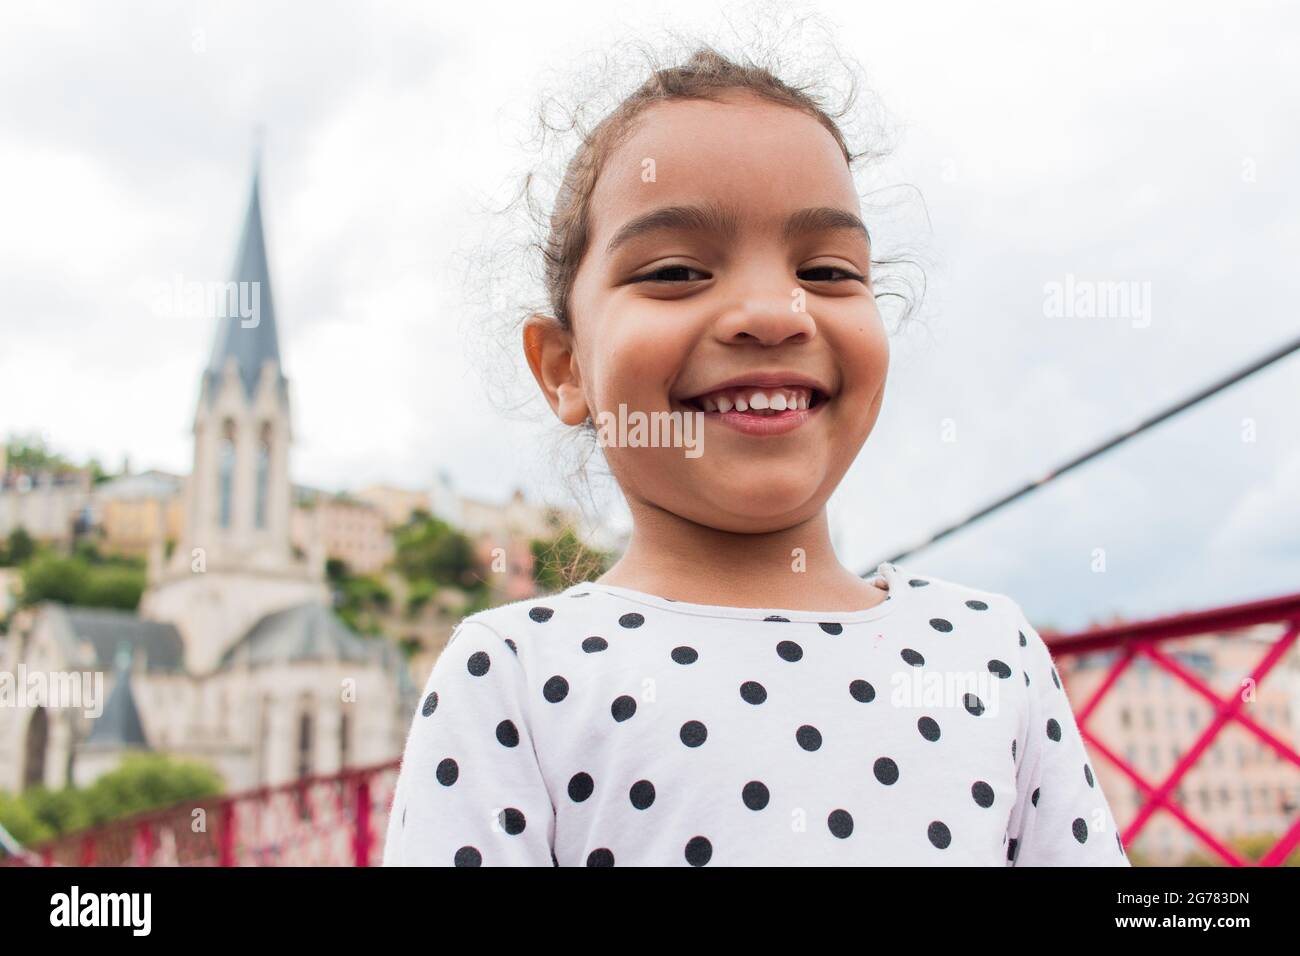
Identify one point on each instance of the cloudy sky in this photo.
(1151, 145)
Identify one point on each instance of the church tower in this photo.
(235, 563)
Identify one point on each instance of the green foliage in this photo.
(428, 549)
(142, 782)
(420, 593)
(84, 580)
(564, 560)
(31, 453)
(19, 548)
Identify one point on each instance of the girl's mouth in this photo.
(761, 410)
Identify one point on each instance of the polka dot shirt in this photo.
(602, 726)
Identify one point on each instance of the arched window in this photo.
(38, 736)
(226, 474)
(306, 728)
(263, 475)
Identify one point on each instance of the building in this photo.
(398, 505)
(134, 513)
(345, 528)
(235, 658)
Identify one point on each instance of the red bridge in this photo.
(341, 820)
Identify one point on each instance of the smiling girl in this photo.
(728, 693)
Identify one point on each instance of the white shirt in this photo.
(604, 726)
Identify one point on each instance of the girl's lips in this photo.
(774, 423)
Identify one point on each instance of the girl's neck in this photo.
(794, 568)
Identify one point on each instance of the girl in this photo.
(729, 693)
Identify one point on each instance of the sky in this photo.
(1034, 151)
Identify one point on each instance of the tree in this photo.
(428, 549)
(21, 546)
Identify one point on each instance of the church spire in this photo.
(248, 333)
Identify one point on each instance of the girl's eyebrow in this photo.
(723, 221)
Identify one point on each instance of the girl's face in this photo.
(726, 260)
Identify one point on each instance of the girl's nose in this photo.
(769, 319)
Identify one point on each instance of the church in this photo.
(235, 658)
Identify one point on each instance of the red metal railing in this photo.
(1142, 640)
(316, 821)
(340, 820)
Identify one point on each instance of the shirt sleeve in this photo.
(470, 791)
(1061, 816)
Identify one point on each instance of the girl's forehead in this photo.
(755, 156)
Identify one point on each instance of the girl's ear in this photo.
(549, 350)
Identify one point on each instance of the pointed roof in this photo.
(120, 725)
(250, 342)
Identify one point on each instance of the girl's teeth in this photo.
(765, 402)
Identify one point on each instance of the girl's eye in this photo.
(669, 274)
(820, 274)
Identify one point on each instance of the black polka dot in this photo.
(974, 706)
(468, 856)
(982, 793)
(1053, 729)
(623, 708)
(1079, 829)
(999, 668)
(1056, 679)
(642, 794)
(752, 692)
(789, 651)
(578, 594)
(430, 703)
(918, 583)
(1011, 849)
(941, 625)
(581, 786)
(478, 663)
(809, 737)
(977, 605)
(600, 857)
(777, 617)
(685, 655)
(540, 614)
(1119, 843)
(1026, 678)
(862, 692)
(511, 644)
(508, 734)
(448, 771)
(1013, 748)
(556, 689)
(1033, 797)
(840, 823)
(929, 728)
(832, 628)
(911, 657)
(755, 795)
(1087, 775)
(631, 619)
(693, 733)
(1023, 642)
(886, 771)
(512, 820)
(594, 644)
(404, 819)
(939, 834)
(698, 851)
